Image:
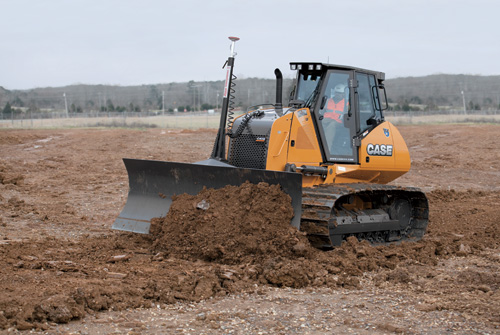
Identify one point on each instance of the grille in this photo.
(246, 152)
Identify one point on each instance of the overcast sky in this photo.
(123, 42)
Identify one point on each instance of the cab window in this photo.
(306, 85)
(376, 97)
(365, 101)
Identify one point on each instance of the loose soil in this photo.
(227, 261)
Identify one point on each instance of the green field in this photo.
(205, 120)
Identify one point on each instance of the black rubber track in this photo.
(321, 203)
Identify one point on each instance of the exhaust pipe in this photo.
(279, 92)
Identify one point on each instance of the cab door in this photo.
(368, 102)
(336, 117)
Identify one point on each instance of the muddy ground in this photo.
(226, 269)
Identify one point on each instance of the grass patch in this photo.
(118, 124)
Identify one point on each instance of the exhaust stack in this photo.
(279, 92)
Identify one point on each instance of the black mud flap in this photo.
(153, 183)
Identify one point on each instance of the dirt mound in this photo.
(231, 225)
(7, 177)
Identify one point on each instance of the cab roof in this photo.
(321, 67)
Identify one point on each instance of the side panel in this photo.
(248, 148)
(279, 140)
(383, 157)
(402, 160)
(304, 147)
(294, 140)
(384, 154)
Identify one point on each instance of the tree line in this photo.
(406, 94)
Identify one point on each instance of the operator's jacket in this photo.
(335, 110)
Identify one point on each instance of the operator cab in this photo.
(345, 104)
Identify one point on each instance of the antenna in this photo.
(233, 41)
(219, 150)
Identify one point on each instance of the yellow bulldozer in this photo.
(330, 149)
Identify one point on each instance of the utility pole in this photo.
(206, 96)
(162, 102)
(66, 104)
(463, 99)
(196, 97)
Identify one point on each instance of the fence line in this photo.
(138, 120)
(196, 120)
(433, 117)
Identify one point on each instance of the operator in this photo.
(336, 104)
(337, 135)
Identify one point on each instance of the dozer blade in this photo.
(153, 183)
